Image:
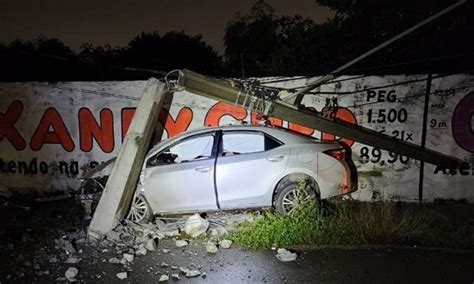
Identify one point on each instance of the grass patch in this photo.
(355, 223)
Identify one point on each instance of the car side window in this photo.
(236, 143)
(189, 150)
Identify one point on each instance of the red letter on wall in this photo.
(217, 111)
(345, 115)
(273, 121)
(7, 125)
(89, 128)
(51, 130)
(182, 122)
(127, 116)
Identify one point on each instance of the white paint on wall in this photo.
(381, 103)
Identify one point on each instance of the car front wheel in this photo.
(140, 211)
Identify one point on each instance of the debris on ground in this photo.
(196, 225)
(164, 278)
(122, 275)
(193, 273)
(71, 274)
(225, 244)
(181, 243)
(285, 255)
(175, 276)
(211, 248)
(128, 257)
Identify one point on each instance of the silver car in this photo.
(236, 167)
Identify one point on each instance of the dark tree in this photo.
(173, 50)
(443, 45)
(250, 40)
(42, 59)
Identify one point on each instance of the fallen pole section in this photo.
(223, 91)
(116, 198)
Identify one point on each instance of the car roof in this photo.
(283, 135)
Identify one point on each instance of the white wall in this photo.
(47, 128)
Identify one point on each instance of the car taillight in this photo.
(337, 154)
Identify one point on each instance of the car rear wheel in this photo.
(140, 211)
(290, 196)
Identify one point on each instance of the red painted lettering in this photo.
(57, 135)
(340, 114)
(182, 122)
(7, 125)
(217, 111)
(89, 128)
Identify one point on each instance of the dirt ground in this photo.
(30, 254)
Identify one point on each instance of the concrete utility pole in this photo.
(223, 91)
(116, 198)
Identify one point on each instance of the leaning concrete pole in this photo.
(116, 198)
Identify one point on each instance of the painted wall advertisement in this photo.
(51, 132)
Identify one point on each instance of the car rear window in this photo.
(240, 142)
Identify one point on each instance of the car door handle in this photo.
(203, 169)
(275, 158)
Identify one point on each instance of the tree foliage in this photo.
(45, 59)
(363, 24)
(264, 44)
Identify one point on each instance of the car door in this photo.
(181, 177)
(248, 164)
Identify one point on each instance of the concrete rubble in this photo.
(225, 244)
(122, 275)
(181, 243)
(193, 273)
(285, 255)
(211, 248)
(130, 241)
(71, 274)
(196, 225)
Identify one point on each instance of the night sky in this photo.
(117, 21)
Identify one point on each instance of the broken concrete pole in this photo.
(116, 198)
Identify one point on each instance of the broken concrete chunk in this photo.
(114, 260)
(164, 264)
(122, 275)
(164, 278)
(193, 273)
(72, 260)
(225, 244)
(151, 245)
(184, 269)
(175, 276)
(196, 225)
(211, 248)
(170, 232)
(181, 243)
(285, 255)
(113, 236)
(71, 274)
(128, 257)
(141, 251)
(68, 247)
